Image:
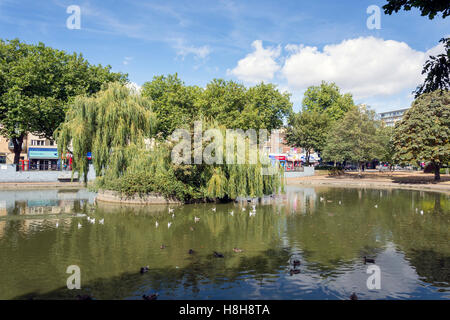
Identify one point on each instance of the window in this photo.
(38, 142)
(2, 159)
(52, 143)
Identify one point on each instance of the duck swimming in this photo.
(218, 255)
(367, 260)
(144, 269)
(150, 297)
(237, 250)
(296, 263)
(294, 271)
(191, 251)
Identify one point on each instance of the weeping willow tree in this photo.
(112, 125)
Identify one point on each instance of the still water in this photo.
(329, 230)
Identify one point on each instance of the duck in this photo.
(237, 250)
(218, 255)
(296, 262)
(294, 271)
(102, 221)
(196, 219)
(162, 246)
(353, 296)
(144, 269)
(191, 251)
(171, 210)
(367, 260)
(153, 296)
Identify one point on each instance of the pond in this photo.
(329, 230)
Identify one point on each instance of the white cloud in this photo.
(260, 65)
(366, 67)
(134, 87)
(184, 50)
(127, 60)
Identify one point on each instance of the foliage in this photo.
(227, 102)
(111, 124)
(326, 98)
(173, 102)
(385, 134)
(37, 82)
(427, 7)
(354, 138)
(424, 132)
(437, 70)
(308, 130)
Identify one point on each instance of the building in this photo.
(391, 117)
(37, 153)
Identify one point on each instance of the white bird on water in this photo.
(79, 225)
(232, 213)
(102, 221)
(376, 206)
(169, 224)
(213, 209)
(196, 219)
(156, 224)
(171, 210)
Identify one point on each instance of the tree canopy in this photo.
(308, 130)
(428, 8)
(424, 132)
(228, 103)
(437, 70)
(37, 82)
(327, 98)
(354, 138)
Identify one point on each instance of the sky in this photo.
(293, 44)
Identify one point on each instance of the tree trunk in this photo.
(437, 173)
(17, 142)
(307, 157)
(360, 169)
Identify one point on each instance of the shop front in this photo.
(43, 158)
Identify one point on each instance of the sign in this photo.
(42, 153)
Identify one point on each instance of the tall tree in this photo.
(385, 134)
(437, 70)
(424, 132)
(36, 84)
(327, 98)
(354, 138)
(308, 130)
(113, 124)
(428, 8)
(173, 102)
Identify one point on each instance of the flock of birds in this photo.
(91, 221)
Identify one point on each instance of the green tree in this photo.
(36, 83)
(113, 125)
(428, 8)
(308, 130)
(424, 132)
(326, 98)
(385, 135)
(437, 70)
(354, 138)
(173, 102)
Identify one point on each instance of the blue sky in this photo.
(291, 43)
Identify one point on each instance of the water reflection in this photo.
(328, 229)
